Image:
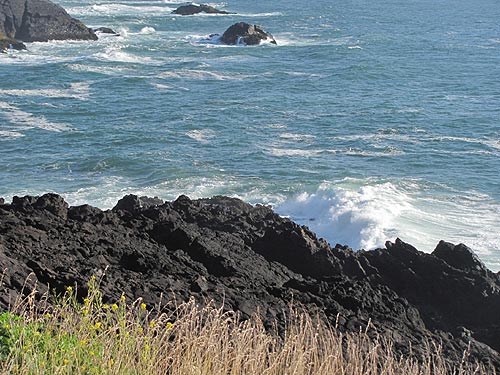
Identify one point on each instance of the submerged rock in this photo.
(40, 21)
(251, 259)
(188, 10)
(9, 43)
(105, 30)
(244, 33)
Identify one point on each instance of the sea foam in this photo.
(21, 120)
(365, 213)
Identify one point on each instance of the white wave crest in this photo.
(22, 120)
(199, 74)
(202, 136)
(114, 9)
(147, 30)
(9, 134)
(366, 213)
(116, 54)
(296, 137)
(77, 90)
(293, 152)
(361, 218)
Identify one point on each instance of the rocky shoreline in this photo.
(251, 259)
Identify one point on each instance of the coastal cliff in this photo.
(250, 259)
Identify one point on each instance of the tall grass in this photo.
(128, 337)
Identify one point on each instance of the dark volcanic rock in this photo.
(188, 10)
(459, 256)
(40, 21)
(448, 297)
(9, 43)
(244, 33)
(133, 203)
(251, 259)
(105, 30)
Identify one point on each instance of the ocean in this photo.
(368, 121)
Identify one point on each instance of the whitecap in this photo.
(76, 90)
(293, 152)
(24, 120)
(114, 9)
(492, 143)
(9, 134)
(201, 135)
(198, 74)
(296, 136)
(106, 70)
(388, 151)
(147, 30)
(268, 14)
(116, 54)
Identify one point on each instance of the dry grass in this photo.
(130, 338)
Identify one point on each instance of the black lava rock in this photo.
(188, 10)
(105, 30)
(251, 259)
(244, 33)
(9, 43)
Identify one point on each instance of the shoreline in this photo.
(249, 258)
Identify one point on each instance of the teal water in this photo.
(369, 120)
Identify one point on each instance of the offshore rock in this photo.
(244, 33)
(40, 21)
(105, 30)
(188, 10)
(251, 259)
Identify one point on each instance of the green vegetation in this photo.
(128, 337)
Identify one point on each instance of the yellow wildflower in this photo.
(114, 306)
(143, 306)
(69, 289)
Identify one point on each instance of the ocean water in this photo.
(369, 120)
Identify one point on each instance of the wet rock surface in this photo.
(9, 43)
(105, 30)
(190, 9)
(251, 259)
(247, 34)
(40, 21)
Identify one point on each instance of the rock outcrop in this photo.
(105, 30)
(251, 259)
(244, 33)
(189, 10)
(40, 21)
(9, 43)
